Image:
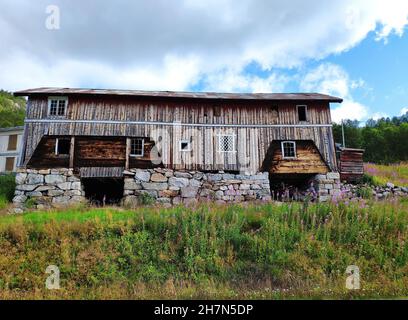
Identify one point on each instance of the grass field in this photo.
(263, 251)
(382, 174)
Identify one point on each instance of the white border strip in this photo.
(175, 124)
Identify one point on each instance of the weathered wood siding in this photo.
(351, 164)
(44, 156)
(308, 159)
(250, 112)
(148, 156)
(100, 152)
(252, 143)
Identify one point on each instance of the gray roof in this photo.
(19, 128)
(185, 95)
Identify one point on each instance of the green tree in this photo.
(352, 133)
(12, 110)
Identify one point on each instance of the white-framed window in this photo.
(184, 145)
(226, 143)
(302, 113)
(62, 146)
(288, 149)
(57, 106)
(137, 147)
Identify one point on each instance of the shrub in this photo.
(364, 192)
(30, 203)
(367, 179)
(146, 199)
(7, 186)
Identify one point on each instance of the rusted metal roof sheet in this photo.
(183, 95)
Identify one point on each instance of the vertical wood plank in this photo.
(72, 153)
(127, 153)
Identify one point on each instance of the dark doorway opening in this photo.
(103, 191)
(289, 187)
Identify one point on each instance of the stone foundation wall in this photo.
(47, 188)
(327, 186)
(60, 187)
(171, 187)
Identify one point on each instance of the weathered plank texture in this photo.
(308, 160)
(44, 156)
(251, 144)
(101, 172)
(100, 152)
(351, 164)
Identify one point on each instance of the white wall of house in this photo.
(9, 156)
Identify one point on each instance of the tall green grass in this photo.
(251, 251)
(382, 174)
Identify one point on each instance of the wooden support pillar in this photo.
(71, 153)
(127, 153)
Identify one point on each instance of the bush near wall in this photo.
(7, 187)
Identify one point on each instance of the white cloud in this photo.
(403, 111)
(175, 74)
(333, 80)
(379, 115)
(233, 81)
(349, 109)
(172, 45)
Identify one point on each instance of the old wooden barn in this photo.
(122, 143)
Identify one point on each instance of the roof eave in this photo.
(178, 95)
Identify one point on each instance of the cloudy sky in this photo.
(357, 50)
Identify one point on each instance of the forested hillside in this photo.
(12, 110)
(384, 140)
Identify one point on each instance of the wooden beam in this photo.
(181, 124)
(127, 153)
(71, 153)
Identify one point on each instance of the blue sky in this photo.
(383, 67)
(380, 68)
(354, 49)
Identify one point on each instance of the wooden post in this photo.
(71, 153)
(127, 153)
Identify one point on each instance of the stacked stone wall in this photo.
(174, 187)
(47, 188)
(327, 186)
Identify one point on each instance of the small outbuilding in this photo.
(351, 165)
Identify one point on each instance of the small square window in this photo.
(62, 147)
(137, 147)
(57, 106)
(226, 143)
(185, 145)
(288, 150)
(302, 113)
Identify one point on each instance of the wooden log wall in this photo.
(251, 142)
(100, 152)
(44, 156)
(308, 160)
